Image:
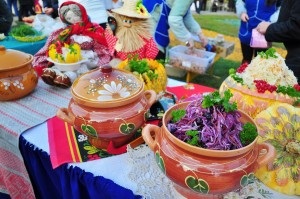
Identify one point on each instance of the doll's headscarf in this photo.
(85, 27)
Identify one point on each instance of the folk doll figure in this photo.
(81, 31)
(133, 32)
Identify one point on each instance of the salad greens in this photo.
(215, 99)
(271, 52)
(177, 115)
(248, 134)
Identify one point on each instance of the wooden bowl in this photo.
(199, 172)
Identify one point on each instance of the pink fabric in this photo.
(258, 40)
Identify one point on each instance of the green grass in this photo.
(223, 24)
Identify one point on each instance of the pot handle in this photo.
(148, 132)
(151, 97)
(66, 115)
(266, 154)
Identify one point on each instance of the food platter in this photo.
(29, 38)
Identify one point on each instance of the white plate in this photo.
(67, 66)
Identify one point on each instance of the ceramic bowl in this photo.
(67, 66)
(204, 173)
(108, 105)
(17, 76)
(250, 101)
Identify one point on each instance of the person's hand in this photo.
(244, 17)
(190, 43)
(203, 39)
(262, 27)
(48, 11)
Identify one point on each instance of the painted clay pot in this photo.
(17, 76)
(204, 173)
(250, 101)
(107, 105)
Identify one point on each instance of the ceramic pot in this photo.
(17, 76)
(250, 101)
(204, 173)
(107, 105)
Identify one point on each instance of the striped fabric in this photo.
(16, 117)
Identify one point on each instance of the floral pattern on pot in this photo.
(197, 184)
(113, 91)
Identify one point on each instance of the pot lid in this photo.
(11, 59)
(106, 87)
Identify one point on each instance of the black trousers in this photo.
(249, 53)
(26, 11)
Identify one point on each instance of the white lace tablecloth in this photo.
(16, 117)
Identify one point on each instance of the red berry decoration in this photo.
(242, 67)
(297, 87)
(262, 86)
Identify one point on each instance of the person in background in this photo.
(286, 30)
(6, 18)
(51, 8)
(26, 9)
(198, 5)
(37, 7)
(251, 13)
(176, 16)
(14, 4)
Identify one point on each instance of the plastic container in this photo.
(195, 60)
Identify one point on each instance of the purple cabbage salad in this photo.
(209, 128)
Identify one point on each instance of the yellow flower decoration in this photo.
(140, 8)
(68, 53)
(155, 78)
(64, 32)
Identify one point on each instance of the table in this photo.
(130, 175)
(26, 47)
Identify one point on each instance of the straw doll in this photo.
(133, 34)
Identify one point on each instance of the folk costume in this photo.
(257, 11)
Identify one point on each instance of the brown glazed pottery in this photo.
(204, 173)
(107, 105)
(17, 76)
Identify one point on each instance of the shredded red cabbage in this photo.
(217, 129)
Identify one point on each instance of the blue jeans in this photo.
(13, 3)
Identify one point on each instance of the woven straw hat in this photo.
(133, 8)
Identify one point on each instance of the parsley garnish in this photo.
(141, 67)
(215, 99)
(290, 91)
(194, 135)
(268, 53)
(177, 114)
